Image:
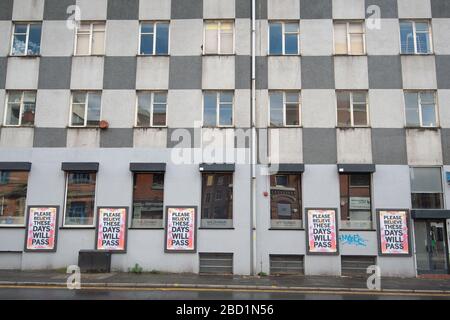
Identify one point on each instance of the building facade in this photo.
(149, 104)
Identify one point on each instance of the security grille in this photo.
(216, 263)
(286, 264)
(356, 265)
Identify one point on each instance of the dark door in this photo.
(431, 246)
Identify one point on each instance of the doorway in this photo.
(431, 246)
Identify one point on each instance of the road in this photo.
(46, 293)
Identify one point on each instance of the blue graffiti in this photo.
(353, 239)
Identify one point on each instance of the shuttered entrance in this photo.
(216, 263)
(356, 265)
(286, 264)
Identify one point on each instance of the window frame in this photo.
(283, 38)
(94, 219)
(284, 92)
(152, 93)
(218, 93)
(86, 104)
(419, 105)
(16, 225)
(442, 184)
(352, 117)
(23, 92)
(154, 22)
(25, 54)
(348, 37)
(413, 21)
(91, 36)
(219, 23)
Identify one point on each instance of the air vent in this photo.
(216, 263)
(286, 264)
(356, 265)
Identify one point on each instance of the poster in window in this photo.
(112, 229)
(393, 232)
(42, 229)
(181, 229)
(322, 231)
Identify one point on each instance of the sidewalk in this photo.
(149, 280)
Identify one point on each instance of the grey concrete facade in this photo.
(184, 73)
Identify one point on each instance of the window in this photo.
(90, 39)
(284, 108)
(426, 188)
(80, 199)
(285, 201)
(349, 38)
(148, 200)
(85, 109)
(283, 38)
(352, 109)
(20, 108)
(420, 109)
(415, 37)
(217, 213)
(218, 109)
(154, 38)
(151, 109)
(219, 37)
(13, 193)
(356, 210)
(26, 39)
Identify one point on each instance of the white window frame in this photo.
(348, 37)
(283, 38)
(217, 93)
(26, 40)
(415, 37)
(419, 105)
(154, 38)
(219, 24)
(85, 108)
(152, 93)
(352, 117)
(94, 219)
(21, 107)
(284, 108)
(91, 35)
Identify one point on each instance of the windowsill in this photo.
(283, 55)
(204, 228)
(86, 127)
(423, 128)
(417, 54)
(12, 226)
(349, 55)
(77, 228)
(286, 229)
(151, 127)
(28, 56)
(88, 55)
(354, 127)
(21, 126)
(153, 55)
(285, 127)
(143, 228)
(217, 127)
(218, 54)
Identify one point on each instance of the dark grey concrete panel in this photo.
(3, 67)
(57, 9)
(55, 73)
(116, 138)
(243, 72)
(187, 9)
(123, 10)
(262, 73)
(120, 73)
(80, 166)
(185, 72)
(50, 138)
(317, 72)
(389, 9)
(261, 9)
(15, 166)
(445, 136)
(319, 146)
(443, 72)
(385, 72)
(389, 146)
(243, 9)
(291, 167)
(6, 9)
(183, 137)
(316, 9)
(440, 8)
(430, 214)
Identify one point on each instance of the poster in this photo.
(112, 229)
(321, 231)
(393, 228)
(42, 229)
(181, 230)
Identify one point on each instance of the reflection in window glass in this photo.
(356, 204)
(219, 37)
(26, 39)
(13, 193)
(154, 38)
(218, 108)
(20, 109)
(148, 198)
(217, 213)
(86, 108)
(80, 198)
(285, 201)
(426, 188)
(151, 109)
(420, 109)
(283, 38)
(276, 38)
(351, 108)
(415, 37)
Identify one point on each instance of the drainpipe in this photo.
(253, 150)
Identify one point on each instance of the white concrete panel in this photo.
(284, 73)
(152, 73)
(83, 138)
(283, 9)
(286, 145)
(391, 187)
(5, 38)
(186, 37)
(187, 104)
(384, 41)
(28, 10)
(358, 243)
(386, 108)
(150, 138)
(317, 194)
(122, 37)
(441, 30)
(262, 37)
(354, 145)
(414, 9)
(16, 137)
(348, 9)
(242, 108)
(419, 72)
(219, 9)
(443, 102)
(323, 265)
(87, 73)
(93, 9)
(10, 261)
(242, 40)
(262, 107)
(119, 108)
(217, 145)
(52, 108)
(423, 147)
(397, 267)
(351, 72)
(218, 72)
(154, 9)
(318, 108)
(57, 39)
(12, 240)
(2, 105)
(23, 73)
(316, 37)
